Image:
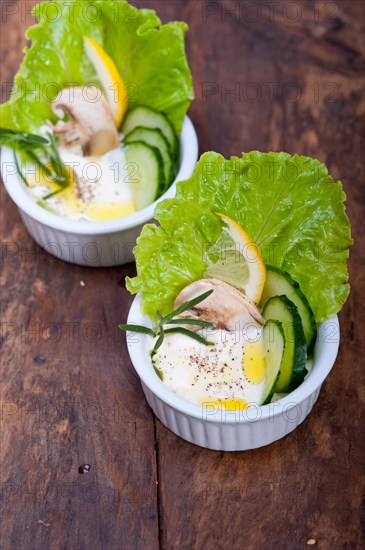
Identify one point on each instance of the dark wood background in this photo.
(68, 391)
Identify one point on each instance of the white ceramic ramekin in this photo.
(94, 244)
(232, 430)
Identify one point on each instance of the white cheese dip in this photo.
(231, 372)
(100, 193)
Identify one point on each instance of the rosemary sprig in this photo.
(159, 340)
(57, 163)
(8, 136)
(138, 328)
(17, 166)
(190, 322)
(36, 159)
(190, 333)
(187, 305)
(160, 329)
(35, 146)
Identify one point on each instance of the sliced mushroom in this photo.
(226, 307)
(90, 129)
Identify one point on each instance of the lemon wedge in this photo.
(236, 260)
(108, 74)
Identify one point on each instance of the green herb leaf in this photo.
(187, 305)
(183, 321)
(20, 173)
(34, 139)
(21, 141)
(161, 331)
(158, 372)
(137, 328)
(56, 160)
(36, 159)
(52, 194)
(7, 136)
(7, 131)
(191, 334)
(159, 340)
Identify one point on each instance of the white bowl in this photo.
(93, 244)
(232, 430)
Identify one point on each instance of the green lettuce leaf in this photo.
(289, 205)
(149, 56)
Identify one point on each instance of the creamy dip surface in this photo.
(231, 372)
(100, 192)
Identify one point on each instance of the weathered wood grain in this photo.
(299, 88)
(270, 79)
(69, 395)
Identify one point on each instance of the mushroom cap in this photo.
(91, 129)
(226, 307)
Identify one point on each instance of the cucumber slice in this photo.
(155, 138)
(144, 168)
(278, 283)
(149, 118)
(274, 346)
(292, 369)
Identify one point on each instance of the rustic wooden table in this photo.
(268, 76)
